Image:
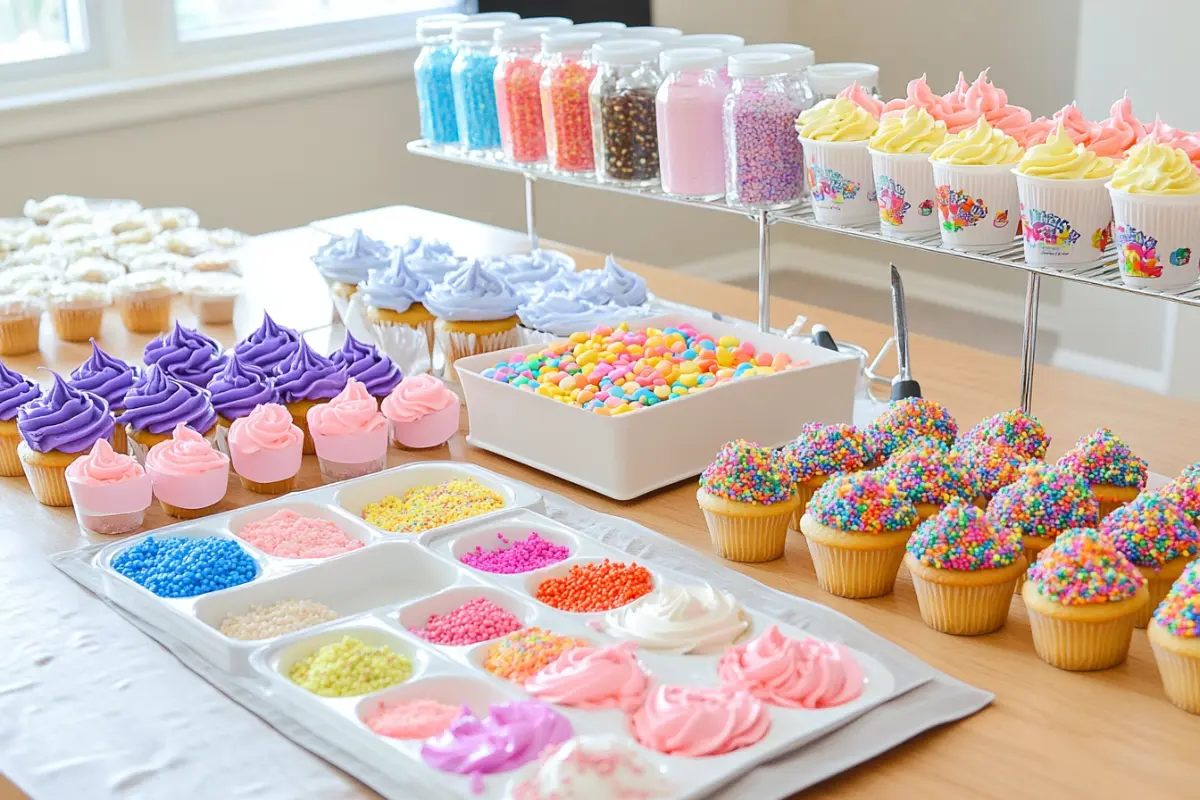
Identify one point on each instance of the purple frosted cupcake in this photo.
(56, 428)
(157, 403)
(236, 391)
(186, 355)
(267, 347)
(110, 378)
(15, 391)
(304, 380)
(368, 366)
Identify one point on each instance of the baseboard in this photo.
(1100, 367)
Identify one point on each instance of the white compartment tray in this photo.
(629, 455)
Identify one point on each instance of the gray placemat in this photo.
(925, 697)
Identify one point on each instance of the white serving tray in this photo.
(626, 456)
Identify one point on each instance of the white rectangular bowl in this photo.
(629, 455)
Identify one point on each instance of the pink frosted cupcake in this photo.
(188, 475)
(350, 434)
(267, 449)
(422, 412)
(110, 490)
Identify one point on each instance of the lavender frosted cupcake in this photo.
(365, 364)
(476, 313)
(57, 427)
(15, 391)
(157, 403)
(396, 315)
(433, 260)
(547, 317)
(528, 272)
(110, 378)
(346, 261)
(236, 390)
(268, 347)
(186, 355)
(305, 379)
(614, 284)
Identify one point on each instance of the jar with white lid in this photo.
(622, 98)
(654, 33)
(802, 57)
(727, 43)
(517, 80)
(431, 73)
(828, 80)
(566, 113)
(473, 77)
(607, 28)
(691, 137)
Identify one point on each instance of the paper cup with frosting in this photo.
(346, 261)
(476, 313)
(110, 490)
(1156, 217)
(305, 379)
(57, 427)
(553, 317)
(350, 434)
(422, 412)
(267, 448)
(977, 200)
(396, 315)
(112, 379)
(157, 404)
(189, 477)
(904, 186)
(236, 390)
(837, 162)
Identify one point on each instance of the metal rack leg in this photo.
(764, 273)
(530, 217)
(1029, 340)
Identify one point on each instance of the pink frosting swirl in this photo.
(861, 98)
(958, 117)
(919, 96)
(1078, 129)
(1163, 133)
(352, 411)
(104, 465)
(794, 673)
(417, 397)
(593, 677)
(957, 97)
(1115, 135)
(185, 453)
(269, 427)
(699, 721)
(992, 103)
(1039, 130)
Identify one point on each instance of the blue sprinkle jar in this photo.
(435, 93)
(473, 79)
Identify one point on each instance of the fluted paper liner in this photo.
(409, 347)
(77, 324)
(145, 314)
(10, 462)
(1178, 666)
(748, 539)
(19, 336)
(460, 344)
(966, 609)
(855, 573)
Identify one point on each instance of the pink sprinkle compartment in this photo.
(488, 538)
(416, 614)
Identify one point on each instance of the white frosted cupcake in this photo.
(77, 310)
(20, 323)
(144, 299)
(212, 295)
(94, 269)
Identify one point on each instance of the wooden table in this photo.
(1049, 734)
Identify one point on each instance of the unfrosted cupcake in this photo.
(144, 299)
(20, 324)
(1157, 538)
(1042, 504)
(1016, 428)
(349, 434)
(1083, 597)
(345, 261)
(268, 346)
(394, 299)
(1111, 469)
(905, 420)
(304, 379)
(422, 412)
(236, 390)
(964, 570)
(930, 476)
(158, 403)
(856, 527)
(365, 364)
(57, 427)
(747, 494)
(476, 313)
(110, 490)
(1174, 635)
(189, 477)
(110, 378)
(819, 452)
(77, 309)
(186, 355)
(15, 391)
(266, 448)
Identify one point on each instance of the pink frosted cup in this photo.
(422, 412)
(110, 491)
(350, 435)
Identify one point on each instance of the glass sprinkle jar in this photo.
(624, 118)
(827, 80)
(518, 94)
(431, 73)
(566, 115)
(691, 141)
(802, 56)
(473, 78)
(764, 159)
(727, 43)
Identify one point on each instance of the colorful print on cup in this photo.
(1103, 237)
(829, 186)
(892, 205)
(926, 208)
(958, 210)
(1137, 253)
(1001, 219)
(1181, 257)
(1048, 233)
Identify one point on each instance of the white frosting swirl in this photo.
(680, 618)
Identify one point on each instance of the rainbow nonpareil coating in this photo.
(928, 475)
(862, 502)
(822, 450)
(960, 537)
(1044, 502)
(1184, 492)
(1102, 458)
(1015, 428)
(1179, 613)
(989, 467)
(746, 473)
(907, 419)
(1084, 567)
(1151, 531)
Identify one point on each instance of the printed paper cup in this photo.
(905, 194)
(1157, 238)
(840, 182)
(1065, 224)
(977, 206)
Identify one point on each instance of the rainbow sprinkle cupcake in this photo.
(1157, 538)
(1184, 492)
(904, 421)
(1174, 635)
(964, 570)
(1015, 428)
(929, 476)
(856, 527)
(1114, 473)
(748, 494)
(1083, 597)
(988, 468)
(821, 451)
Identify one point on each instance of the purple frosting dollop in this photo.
(267, 347)
(106, 376)
(187, 355)
(363, 362)
(308, 375)
(64, 419)
(15, 391)
(158, 402)
(238, 388)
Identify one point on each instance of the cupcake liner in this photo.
(120, 439)
(805, 492)
(964, 609)
(19, 335)
(1180, 677)
(905, 193)
(460, 344)
(1157, 239)
(530, 337)
(840, 181)
(855, 573)
(272, 487)
(978, 206)
(213, 309)
(354, 317)
(410, 348)
(77, 324)
(109, 524)
(1032, 546)
(10, 462)
(145, 314)
(299, 412)
(187, 513)
(221, 440)
(333, 471)
(749, 540)
(1081, 646)
(1065, 224)
(49, 483)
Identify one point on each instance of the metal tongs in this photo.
(903, 384)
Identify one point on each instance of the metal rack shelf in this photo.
(1009, 256)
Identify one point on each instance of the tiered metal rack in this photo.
(1009, 256)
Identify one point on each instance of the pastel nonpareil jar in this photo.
(422, 412)
(110, 490)
(267, 449)
(350, 434)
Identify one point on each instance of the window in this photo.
(204, 19)
(31, 30)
